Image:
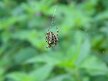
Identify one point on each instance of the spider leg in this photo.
(46, 39)
(48, 46)
(55, 42)
(57, 30)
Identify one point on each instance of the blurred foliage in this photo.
(82, 50)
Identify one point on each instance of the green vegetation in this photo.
(81, 53)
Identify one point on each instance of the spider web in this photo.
(52, 24)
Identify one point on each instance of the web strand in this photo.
(52, 20)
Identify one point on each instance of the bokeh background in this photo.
(82, 50)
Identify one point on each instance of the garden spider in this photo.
(51, 38)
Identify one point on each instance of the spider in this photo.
(51, 38)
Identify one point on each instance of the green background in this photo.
(82, 50)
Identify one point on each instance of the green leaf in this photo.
(19, 76)
(53, 59)
(94, 66)
(42, 73)
(84, 52)
(64, 77)
(24, 54)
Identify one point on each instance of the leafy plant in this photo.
(82, 50)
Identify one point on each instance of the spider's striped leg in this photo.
(56, 36)
(57, 31)
(48, 46)
(46, 40)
